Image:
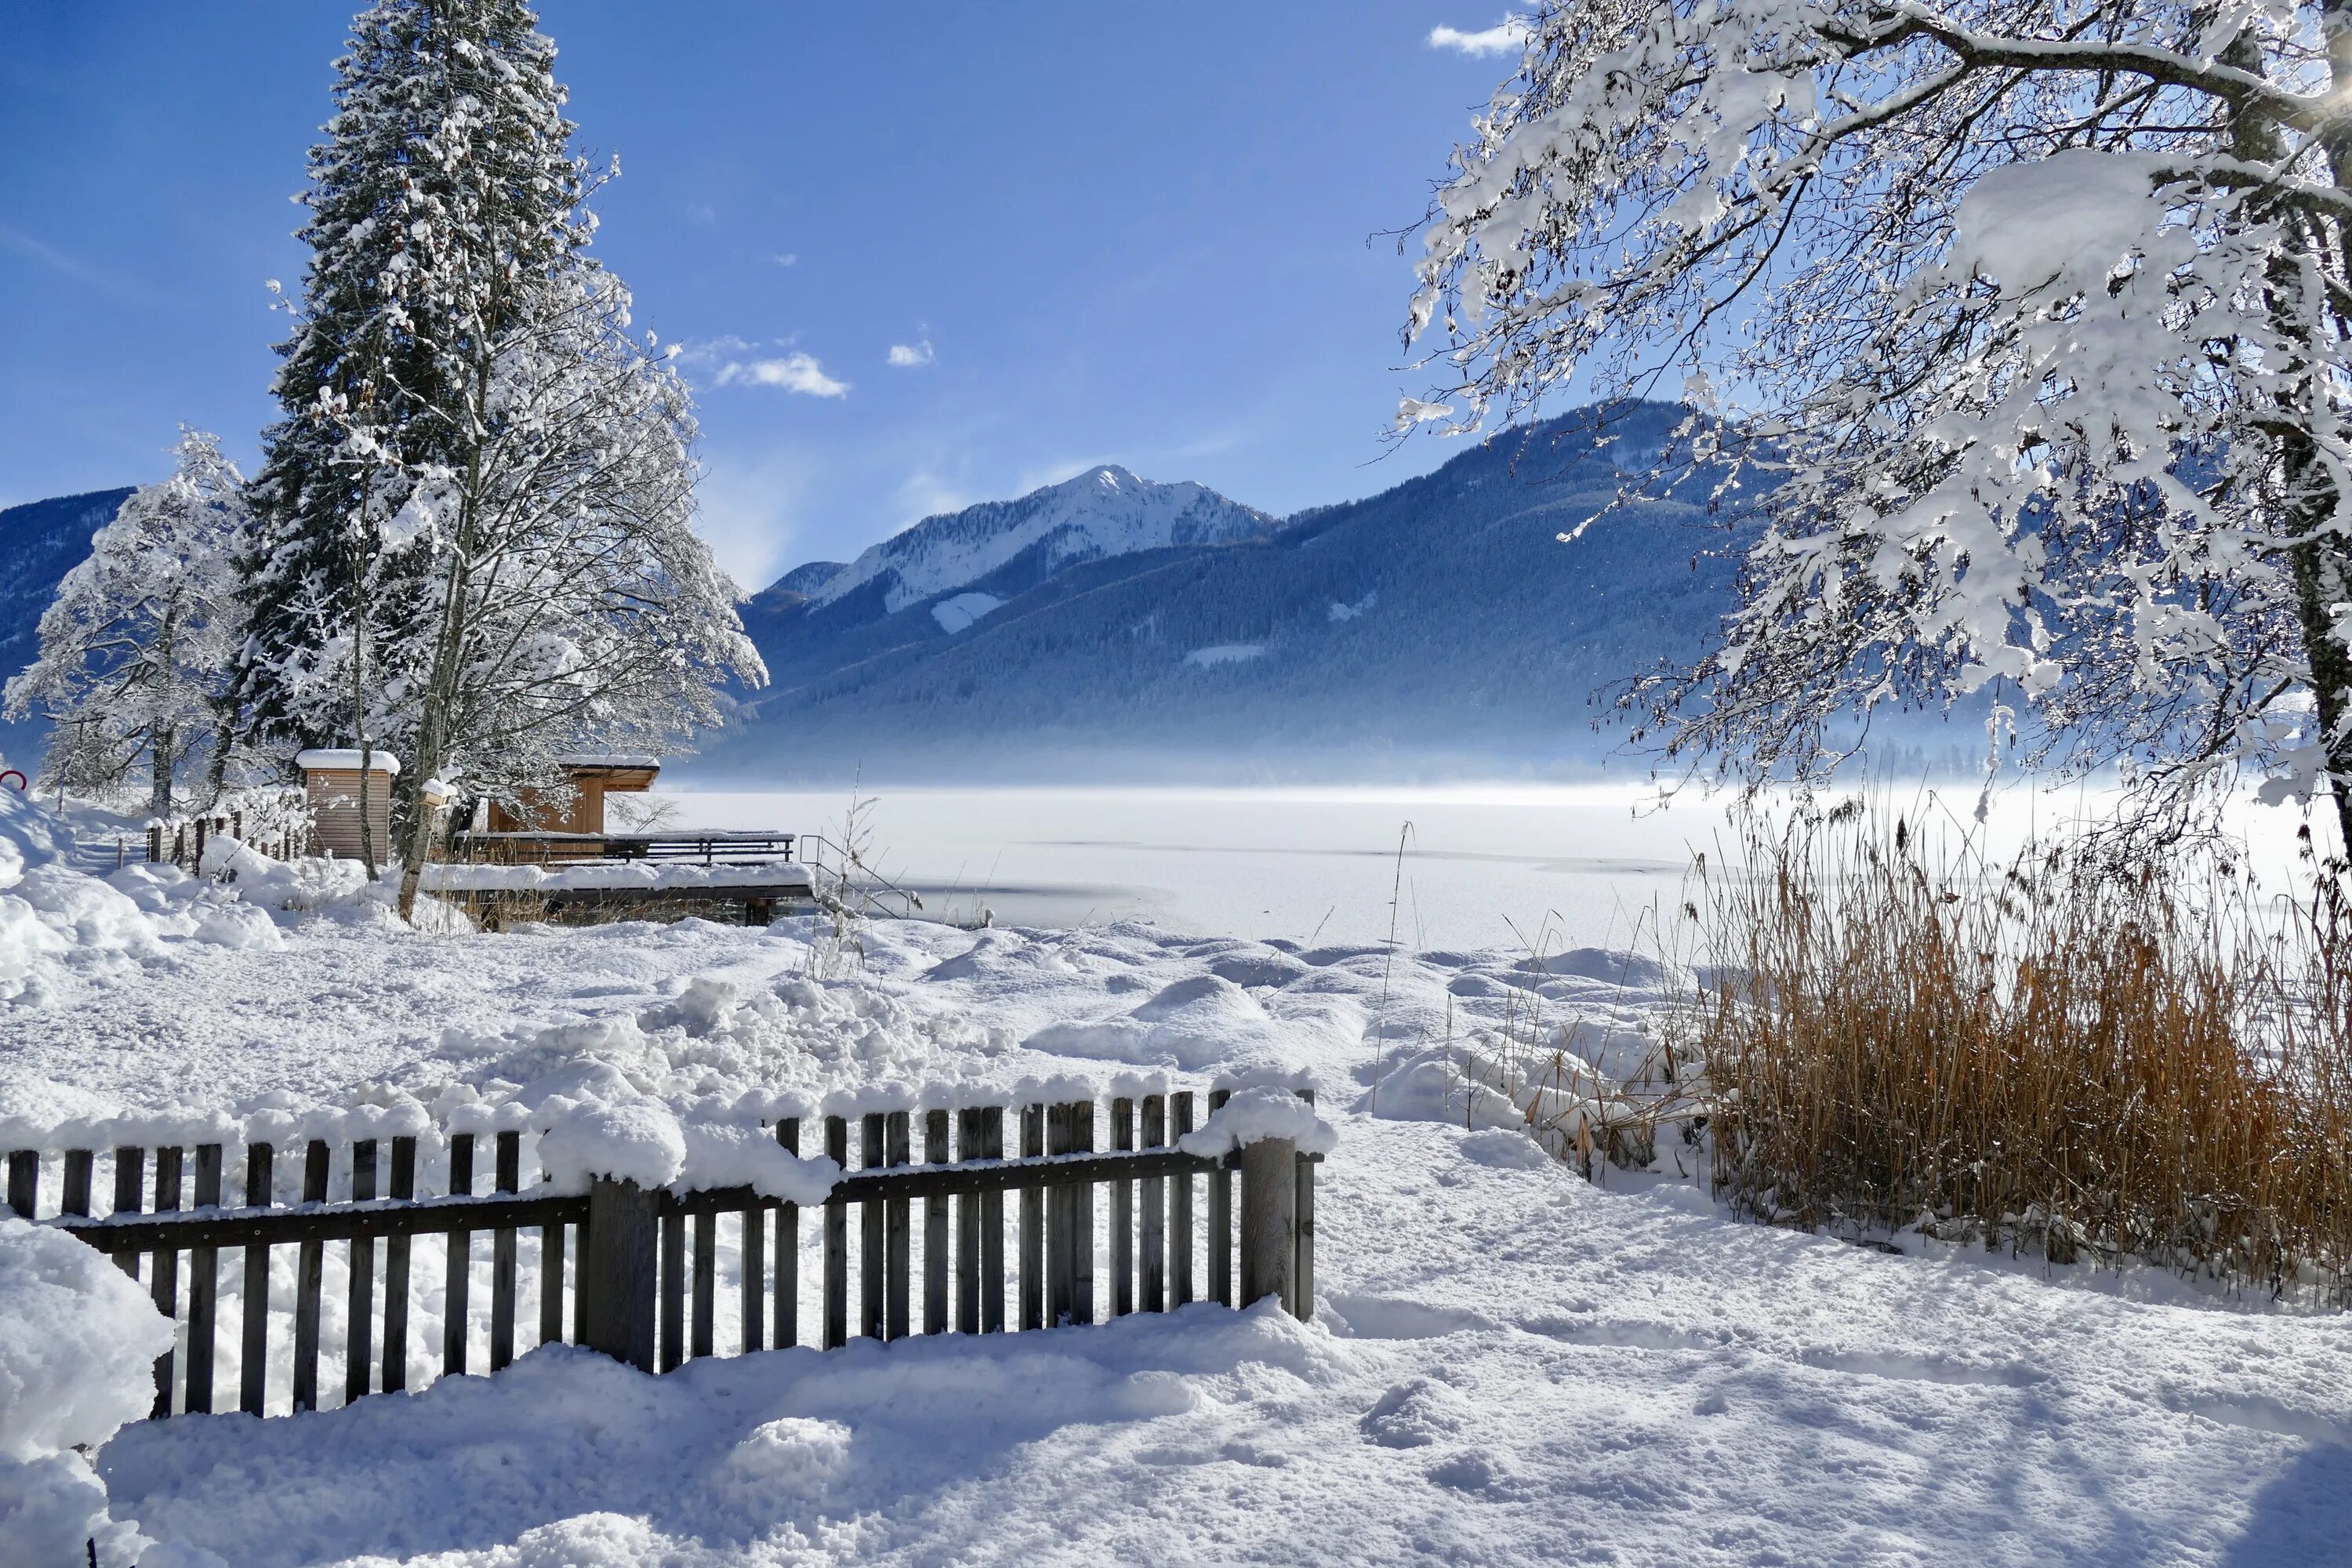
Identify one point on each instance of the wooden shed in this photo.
(592, 778)
(332, 779)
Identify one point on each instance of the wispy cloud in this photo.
(906, 356)
(1507, 37)
(795, 372)
(730, 360)
(786, 258)
(49, 255)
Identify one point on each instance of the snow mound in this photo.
(638, 1141)
(76, 1366)
(1429, 1089)
(1256, 1113)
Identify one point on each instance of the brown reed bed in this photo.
(2067, 1055)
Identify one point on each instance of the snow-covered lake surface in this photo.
(1483, 866)
(1508, 1364)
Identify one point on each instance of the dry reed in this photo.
(2058, 1055)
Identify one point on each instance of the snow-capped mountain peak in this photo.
(1104, 511)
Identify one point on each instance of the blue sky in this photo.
(1133, 234)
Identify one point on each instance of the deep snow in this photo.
(1508, 1364)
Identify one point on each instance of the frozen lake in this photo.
(1508, 865)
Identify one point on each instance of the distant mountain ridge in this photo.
(1139, 630)
(1015, 545)
(40, 541)
(1442, 621)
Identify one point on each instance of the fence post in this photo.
(1269, 1240)
(616, 1271)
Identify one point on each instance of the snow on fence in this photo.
(272, 822)
(631, 1272)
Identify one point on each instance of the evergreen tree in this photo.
(457, 519)
(136, 645)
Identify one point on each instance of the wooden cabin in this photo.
(331, 778)
(592, 778)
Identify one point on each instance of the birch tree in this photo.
(2018, 324)
(135, 647)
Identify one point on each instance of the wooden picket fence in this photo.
(637, 1267)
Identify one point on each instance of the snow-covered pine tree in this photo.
(478, 506)
(135, 647)
(2022, 321)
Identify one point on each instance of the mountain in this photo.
(40, 541)
(1110, 624)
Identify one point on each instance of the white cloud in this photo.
(786, 258)
(1507, 37)
(907, 355)
(795, 372)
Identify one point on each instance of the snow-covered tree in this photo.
(2021, 323)
(135, 648)
(476, 545)
(576, 609)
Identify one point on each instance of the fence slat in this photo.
(1081, 1209)
(359, 1316)
(1154, 1199)
(673, 1291)
(75, 1198)
(935, 1228)
(895, 1224)
(1221, 1220)
(130, 1195)
(788, 1249)
(395, 1272)
(1032, 1224)
(456, 1303)
(1061, 1275)
(507, 1177)
(992, 1227)
(705, 1282)
(1179, 1207)
(552, 1249)
(968, 1146)
(25, 1182)
(167, 1267)
(310, 1271)
(252, 1351)
(869, 1231)
(837, 1241)
(1122, 1214)
(204, 1287)
(754, 1252)
(1302, 1274)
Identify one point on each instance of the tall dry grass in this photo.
(2059, 1054)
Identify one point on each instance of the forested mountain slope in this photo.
(1442, 619)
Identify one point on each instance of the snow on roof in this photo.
(381, 761)
(607, 760)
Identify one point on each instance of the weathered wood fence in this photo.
(637, 1267)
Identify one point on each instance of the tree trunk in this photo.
(441, 695)
(2315, 551)
(159, 796)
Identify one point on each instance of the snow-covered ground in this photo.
(1506, 1363)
